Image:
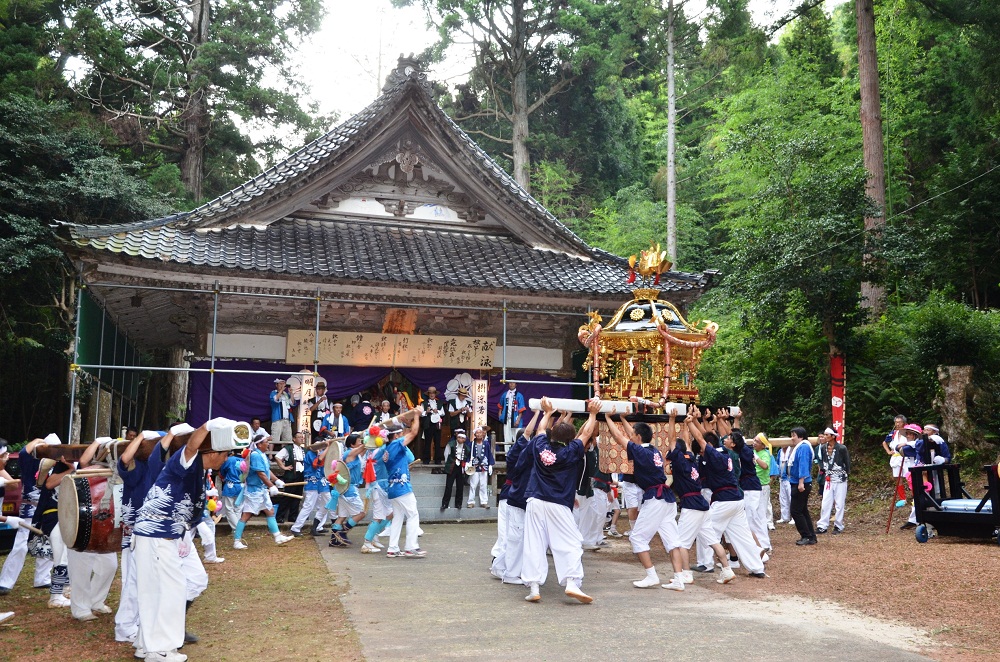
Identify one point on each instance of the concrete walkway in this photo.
(447, 606)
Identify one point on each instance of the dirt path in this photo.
(447, 606)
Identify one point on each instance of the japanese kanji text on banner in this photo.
(381, 349)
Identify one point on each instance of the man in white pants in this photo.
(591, 505)
(694, 522)
(835, 462)
(29, 500)
(557, 463)
(172, 507)
(498, 567)
(518, 472)
(726, 510)
(483, 461)
(749, 482)
(658, 508)
(511, 406)
(784, 485)
(316, 492)
(397, 458)
(91, 573)
(137, 477)
(762, 451)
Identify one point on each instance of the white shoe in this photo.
(765, 558)
(57, 601)
(676, 584)
(239, 544)
(590, 548)
(687, 577)
(603, 544)
(139, 653)
(727, 576)
(377, 544)
(770, 526)
(574, 591)
(89, 616)
(281, 539)
(217, 559)
(369, 548)
(781, 521)
(734, 564)
(168, 656)
(533, 595)
(646, 582)
(6, 616)
(102, 609)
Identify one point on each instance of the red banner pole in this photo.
(837, 382)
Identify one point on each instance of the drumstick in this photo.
(416, 462)
(217, 518)
(27, 526)
(294, 496)
(295, 484)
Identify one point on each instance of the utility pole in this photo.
(671, 140)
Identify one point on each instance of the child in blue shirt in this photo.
(350, 507)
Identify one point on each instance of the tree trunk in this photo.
(178, 385)
(196, 117)
(956, 384)
(671, 140)
(519, 101)
(872, 295)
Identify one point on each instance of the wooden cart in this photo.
(947, 509)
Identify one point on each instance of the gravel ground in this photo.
(948, 587)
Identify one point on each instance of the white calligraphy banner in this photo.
(392, 350)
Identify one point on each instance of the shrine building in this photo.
(392, 251)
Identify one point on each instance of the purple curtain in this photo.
(243, 396)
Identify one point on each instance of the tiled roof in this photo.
(326, 151)
(296, 164)
(383, 253)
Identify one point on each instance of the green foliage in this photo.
(554, 185)
(791, 191)
(892, 363)
(25, 44)
(778, 374)
(174, 85)
(52, 167)
(624, 222)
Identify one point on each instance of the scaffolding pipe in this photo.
(76, 354)
(316, 339)
(503, 376)
(211, 373)
(90, 366)
(121, 390)
(100, 359)
(529, 381)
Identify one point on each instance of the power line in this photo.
(934, 197)
(854, 235)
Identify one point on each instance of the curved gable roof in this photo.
(409, 95)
